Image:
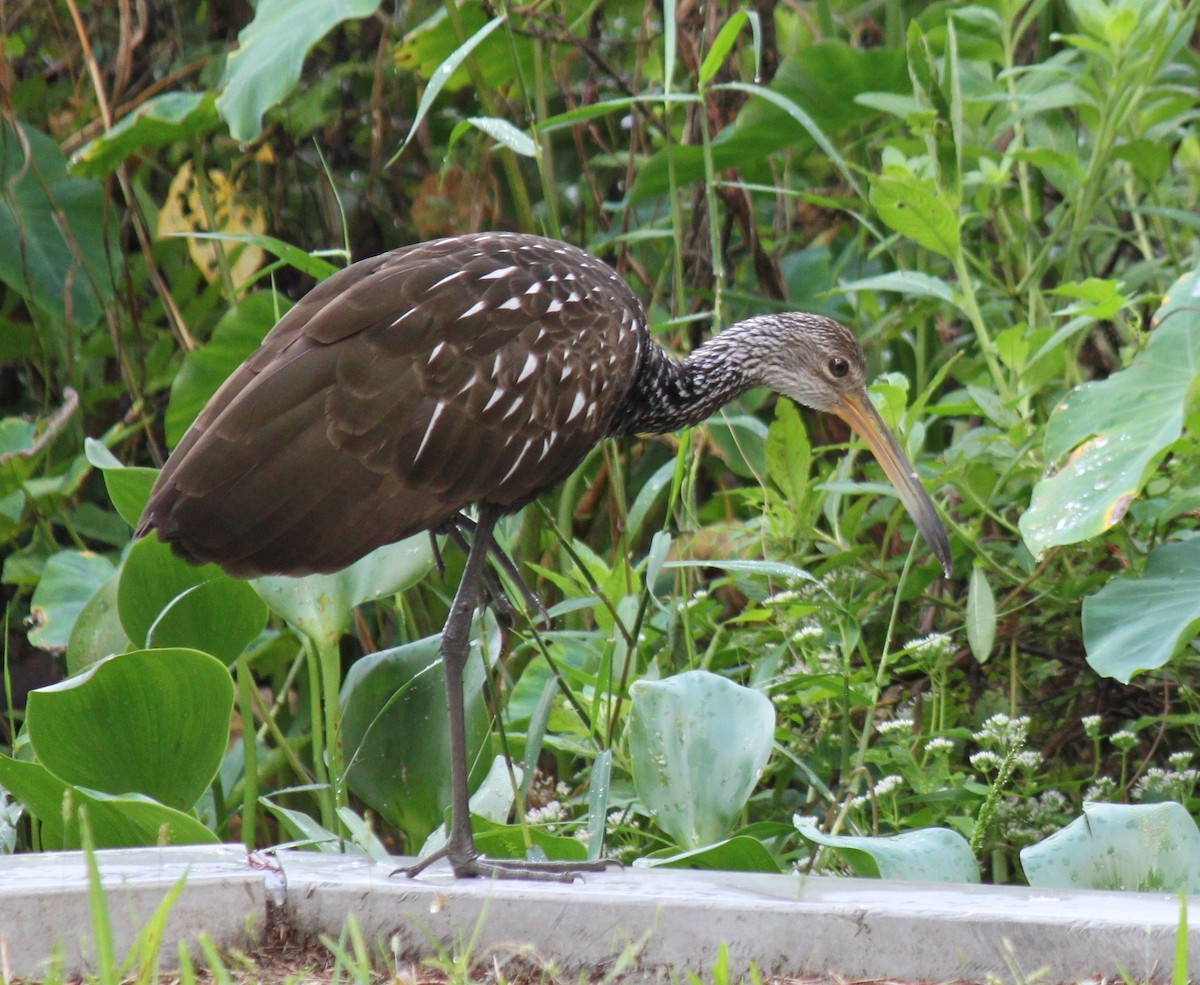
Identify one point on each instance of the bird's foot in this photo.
(481, 867)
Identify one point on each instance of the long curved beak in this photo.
(858, 411)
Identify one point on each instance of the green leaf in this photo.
(1100, 299)
(153, 722)
(927, 855)
(170, 118)
(503, 132)
(789, 453)
(68, 580)
(396, 735)
(1134, 847)
(154, 580)
(981, 615)
(270, 54)
(697, 744)
(1117, 428)
(442, 74)
(23, 443)
(238, 333)
(722, 44)
(97, 632)
(917, 208)
(320, 606)
(115, 822)
(61, 223)
(737, 854)
(909, 282)
(221, 616)
(1137, 624)
(128, 486)
(508, 841)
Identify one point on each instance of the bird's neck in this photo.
(671, 394)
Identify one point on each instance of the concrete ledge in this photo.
(44, 903)
(654, 920)
(651, 924)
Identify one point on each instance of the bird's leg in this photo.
(458, 529)
(460, 849)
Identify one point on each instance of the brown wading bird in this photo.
(476, 371)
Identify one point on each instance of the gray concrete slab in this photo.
(651, 924)
(44, 903)
(655, 919)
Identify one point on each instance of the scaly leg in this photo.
(460, 849)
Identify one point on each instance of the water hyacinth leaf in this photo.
(1135, 847)
(927, 855)
(115, 821)
(270, 53)
(69, 580)
(221, 616)
(154, 579)
(697, 744)
(152, 722)
(1137, 624)
(165, 119)
(97, 632)
(396, 733)
(740, 853)
(320, 606)
(237, 334)
(128, 486)
(1115, 429)
(508, 841)
(981, 615)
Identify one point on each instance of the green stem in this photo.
(245, 686)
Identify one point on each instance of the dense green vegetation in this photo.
(998, 197)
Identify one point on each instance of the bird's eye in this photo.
(838, 367)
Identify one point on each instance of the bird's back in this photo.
(399, 391)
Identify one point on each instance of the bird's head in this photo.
(819, 363)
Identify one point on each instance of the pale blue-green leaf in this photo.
(1135, 847)
(981, 615)
(697, 744)
(1117, 427)
(320, 606)
(926, 855)
(1137, 624)
(68, 580)
(270, 54)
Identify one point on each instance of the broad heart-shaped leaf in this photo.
(116, 822)
(238, 333)
(1117, 428)
(395, 731)
(164, 601)
(165, 119)
(320, 605)
(697, 744)
(68, 580)
(128, 486)
(153, 722)
(1143, 847)
(270, 53)
(1137, 624)
(927, 855)
(66, 242)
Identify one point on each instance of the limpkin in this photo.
(475, 371)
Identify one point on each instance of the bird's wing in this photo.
(399, 391)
